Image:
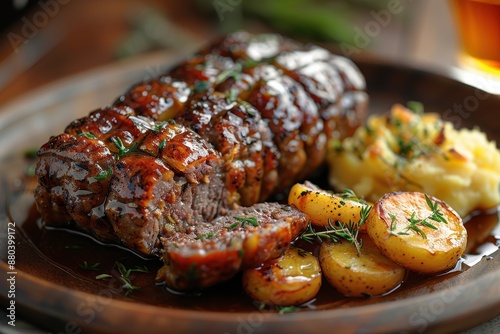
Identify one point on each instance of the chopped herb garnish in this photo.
(335, 232)
(250, 63)
(231, 95)
(103, 276)
(281, 309)
(171, 219)
(205, 236)
(437, 215)
(104, 174)
(348, 194)
(87, 134)
(125, 277)
(247, 220)
(287, 309)
(249, 108)
(122, 149)
(90, 266)
(158, 126)
(234, 73)
(415, 224)
(201, 86)
(416, 107)
(393, 224)
(162, 144)
(233, 226)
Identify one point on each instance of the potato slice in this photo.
(322, 206)
(369, 274)
(403, 225)
(292, 279)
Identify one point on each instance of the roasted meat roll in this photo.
(178, 166)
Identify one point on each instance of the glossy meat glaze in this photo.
(176, 166)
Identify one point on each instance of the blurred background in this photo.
(45, 40)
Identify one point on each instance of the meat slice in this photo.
(73, 184)
(239, 239)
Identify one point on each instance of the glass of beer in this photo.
(478, 23)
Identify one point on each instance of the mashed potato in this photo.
(403, 150)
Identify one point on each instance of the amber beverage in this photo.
(478, 23)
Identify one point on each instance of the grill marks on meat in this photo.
(175, 162)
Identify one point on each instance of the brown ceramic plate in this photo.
(54, 288)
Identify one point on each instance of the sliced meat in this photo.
(239, 239)
(73, 178)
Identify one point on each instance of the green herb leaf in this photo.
(87, 134)
(122, 149)
(201, 86)
(104, 174)
(90, 266)
(125, 277)
(416, 107)
(103, 276)
(247, 220)
(205, 236)
(287, 309)
(233, 226)
(162, 144)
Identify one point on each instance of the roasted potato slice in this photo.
(369, 273)
(417, 231)
(292, 279)
(322, 206)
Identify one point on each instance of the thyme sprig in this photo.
(104, 174)
(89, 135)
(348, 194)
(415, 224)
(234, 73)
(122, 149)
(245, 220)
(336, 232)
(125, 277)
(90, 266)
